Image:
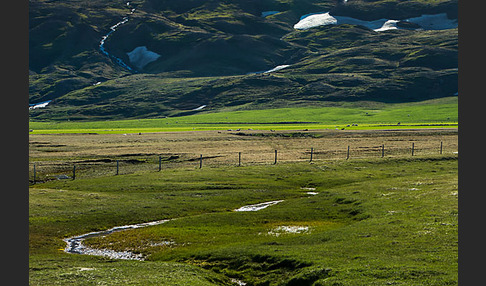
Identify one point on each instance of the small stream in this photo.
(75, 243)
(112, 30)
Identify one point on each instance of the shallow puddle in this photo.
(257, 207)
(289, 229)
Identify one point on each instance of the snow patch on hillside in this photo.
(141, 56)
(314, 20)
(388, 25)
(39, 105)
(277, 68)
(322, 19)
(200, 107)
(426, 22)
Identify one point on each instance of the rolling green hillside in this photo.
(214, 54)
(436, 113)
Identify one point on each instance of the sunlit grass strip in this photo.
(244, 127)
(357, 116)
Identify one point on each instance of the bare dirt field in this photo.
(99, 154)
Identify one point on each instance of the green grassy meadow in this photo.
(386, 221)
(432, 113)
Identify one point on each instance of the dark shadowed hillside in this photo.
(151, 58)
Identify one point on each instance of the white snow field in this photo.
(427, 22)
(277, 68)
(200, 107)
(141, 56)
(314, 20)
(39, 105)
(388, 25)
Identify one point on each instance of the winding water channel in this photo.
(112, 30)
(75, 244)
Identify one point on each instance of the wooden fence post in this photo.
(312, 153)
(239, 159)
(382, 150)
(441, 147)
(117, 167)
(200, 161)
(34, 173)
(347, 155)
(275, 158)
(160, 163)
(413, 148)
(74, 172)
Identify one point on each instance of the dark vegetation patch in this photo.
(261, 269)
(136, 154)
(278, 134)
(133, 161)
(108, 160)
(48, 145)
(204, 157)
(105, 160)
(263, 123)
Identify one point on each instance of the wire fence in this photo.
(46, 170)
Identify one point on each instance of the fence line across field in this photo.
(116, 166)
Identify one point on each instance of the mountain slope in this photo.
(167, 58)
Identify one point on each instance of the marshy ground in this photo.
(367, 221)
